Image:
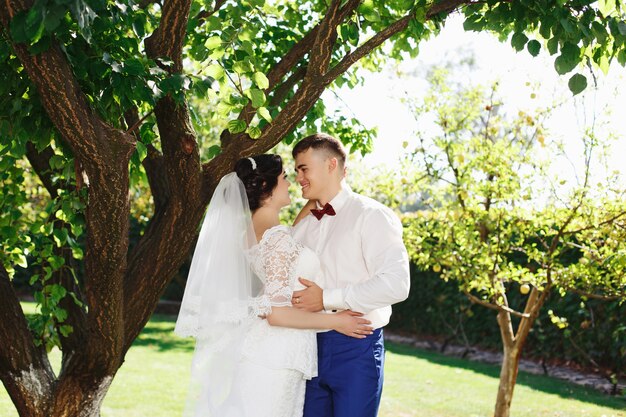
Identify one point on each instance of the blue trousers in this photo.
(350, 376)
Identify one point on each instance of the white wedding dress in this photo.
(275, 361)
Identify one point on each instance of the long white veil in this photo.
(220, 297)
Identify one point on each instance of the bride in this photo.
(254, 352)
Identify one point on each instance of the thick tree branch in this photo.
(531, 309)
(300, 49)
(88, 136)
(168, 39)
(445, 6)
(21, 357)
(288, 85)
(322, 49)
(506, 329)
(104, 152)
(367, 47)
(178, 191)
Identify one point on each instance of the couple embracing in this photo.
(288, 319)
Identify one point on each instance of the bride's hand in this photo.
(305, 211)
(352, 324)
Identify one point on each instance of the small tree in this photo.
(493, 228)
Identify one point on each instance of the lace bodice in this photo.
(273, 261)
(278, 260)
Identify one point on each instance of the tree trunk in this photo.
(513, 343)
(508, 377)
(30, 391)
(72, 397)
(80, 397)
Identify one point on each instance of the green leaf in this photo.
(604, 64)
(258, 97)
(34, 278)
(34, 24)
(214, 151)
(213, 42)
(606, 7)
(621, 57)
(599, 31)
(518, 41)
(142, 151)
(420, 15)
(260, 80)
(139, 29)
(533, 47)
(21, 260)
(66, 330)
(265, 113)
(224, 109)
(545, 27)
(569, 58)
(254, 132)
(242, 67)
(236, 126)
(54, 15)
(367, 6)
(553, 46)
(133, 66)
(216, 71)
(577, 83)
(57, 292)
(353, 33)
(474, 22)
(60, 314)
(568, 25)
(372, 17)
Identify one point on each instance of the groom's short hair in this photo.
(321, 141)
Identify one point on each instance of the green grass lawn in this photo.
(153, 381)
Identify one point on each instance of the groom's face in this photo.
(313, 168)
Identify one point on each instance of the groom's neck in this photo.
(329, 193)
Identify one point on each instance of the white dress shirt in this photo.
(365, 265)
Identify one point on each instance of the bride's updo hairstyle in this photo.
(261, 180)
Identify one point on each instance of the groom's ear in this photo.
(332, 164)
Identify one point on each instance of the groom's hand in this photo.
(309, 299)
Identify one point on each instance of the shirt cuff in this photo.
(334, 299)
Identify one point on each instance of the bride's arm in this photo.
(305, 211)
(347, 322)
(279, 254)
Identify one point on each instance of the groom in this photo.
(365, 268)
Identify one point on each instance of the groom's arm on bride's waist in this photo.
(387, 261)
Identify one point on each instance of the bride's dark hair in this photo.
(261, 181)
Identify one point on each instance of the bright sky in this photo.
(377, 103)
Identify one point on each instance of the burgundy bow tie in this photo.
(328, 209)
